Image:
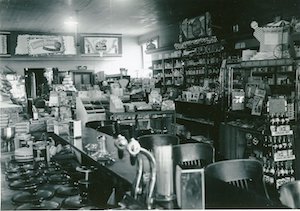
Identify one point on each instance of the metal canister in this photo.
(160, 146)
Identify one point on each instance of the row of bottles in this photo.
(278, 151)
(278, 173)
(278, 147)
(278, 119)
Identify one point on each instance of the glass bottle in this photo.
(275, 143)
(272, 120)
(277, 120)
(289, 146)
(266, 171)
(292, 177)
(283, 142)
(272, 173)
(282, 119)
(278, 175)
(279, 141)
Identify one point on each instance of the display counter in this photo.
(218, 194)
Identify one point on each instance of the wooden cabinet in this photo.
(199, 118)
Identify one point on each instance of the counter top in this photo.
(121, 167)
(218, 194)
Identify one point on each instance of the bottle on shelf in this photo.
(291, 172)
(279, 176)
(279, 141)
(272, 173)
(284, 143)
(275, 143)
(289, 145)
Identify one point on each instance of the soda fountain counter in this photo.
(117, 176)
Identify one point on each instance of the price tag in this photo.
(283, 155)
(283, 128)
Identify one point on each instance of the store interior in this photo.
(114, 89)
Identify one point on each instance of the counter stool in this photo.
(32, 195)
(243, 173)
(82, 199)
(71, 188)
(290, 194)
(29, 181)
(40, 205)
(193, 154)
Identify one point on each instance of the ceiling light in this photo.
(71, 22)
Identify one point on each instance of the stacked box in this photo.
(22, 127)
(38, 125)
(4, 120)
(50, 124)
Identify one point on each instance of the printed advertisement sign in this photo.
(102, 45)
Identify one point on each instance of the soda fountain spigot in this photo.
(121, 143)
(134, 148)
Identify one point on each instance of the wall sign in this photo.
(37, 45)
(45, 45)
(101, 45)
(196, 27)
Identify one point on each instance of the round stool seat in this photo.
(75, 202)
(27, 197)
(89, 208)
(59, 179)
(27, 184)
(22, 175)
(65, 191)
(43, 205)
(16, 169)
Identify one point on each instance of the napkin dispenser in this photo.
(190, 190)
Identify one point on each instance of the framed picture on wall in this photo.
(5, 44)
(101, 45)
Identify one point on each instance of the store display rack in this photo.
(167, 67)
(202, 60)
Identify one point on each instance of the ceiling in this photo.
(135, 17)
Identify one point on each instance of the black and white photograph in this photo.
(150, 104)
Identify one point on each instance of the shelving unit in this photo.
(202, 59)
(168, 67)
(277, 150)
(280, 75)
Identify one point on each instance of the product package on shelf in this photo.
(23, 126)
(37, 125)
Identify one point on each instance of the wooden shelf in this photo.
(267, 63)
(198, 120)
(59, 58)
(262, 73)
